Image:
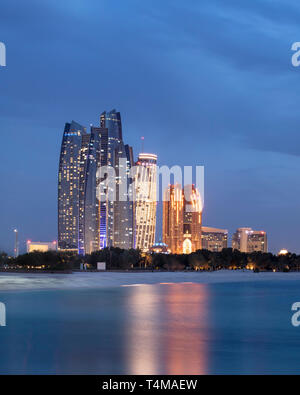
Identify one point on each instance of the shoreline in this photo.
(134, 271)
(102, 280)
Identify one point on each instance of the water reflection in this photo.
(152, 329)
(168, 329)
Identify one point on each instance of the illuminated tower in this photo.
(182, 219)
(83, 171)
(145, 201)
(68, 187)
(89, 204)
(116, 226)
(88, 220)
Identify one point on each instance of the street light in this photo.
(16, 249)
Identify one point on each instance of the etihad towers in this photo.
(89, 219)
(116, 215)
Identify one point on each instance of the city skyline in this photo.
(86, 225)
(215, 87)
(88, 220)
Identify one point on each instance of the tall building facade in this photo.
(89, 218)
(116, 215)
(68, 187)
(89, 204)
(249, 240)
(182, 219)
(214, 239)
(145, 201)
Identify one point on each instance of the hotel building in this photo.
(182, 219)
(214, 239)
(145, 201)
(88, 219)
(249, 240)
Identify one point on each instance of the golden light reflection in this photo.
(187, 319)
(168, 331)
(143, 339)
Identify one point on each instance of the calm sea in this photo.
(239, 328)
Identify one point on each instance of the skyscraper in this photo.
(214, 239)
(97, 220)
(182, 219)
(68, 187)
(249, 240)
(89, 205)
(116, 216)
(145, 201)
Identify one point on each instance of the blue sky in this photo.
(206, 82)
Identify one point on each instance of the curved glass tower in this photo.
(88, 220)
(116, 217)
(68, 187)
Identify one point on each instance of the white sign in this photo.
(101, 266)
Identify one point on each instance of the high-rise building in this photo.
(249, 240)
(145, 201)
(214, 239)
(88, 218)
(182, 219)
(89, 204)
(83, 172)
(116, 217)
(68, 187)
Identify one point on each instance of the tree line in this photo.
(118, 259)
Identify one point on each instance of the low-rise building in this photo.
(249, 240)
(41, 247)
(214, 239)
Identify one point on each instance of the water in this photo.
(240, 328)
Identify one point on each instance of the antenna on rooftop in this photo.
(143, 143)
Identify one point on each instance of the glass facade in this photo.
(91, 240)
(68, 187)
(88, 220)
(116, 217)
